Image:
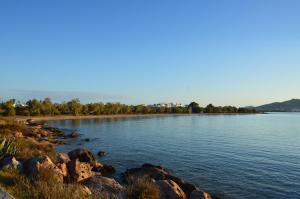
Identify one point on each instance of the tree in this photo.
(209, 109)
(47, 107)
(74, 106)
(9, 108)
(34, 106)
(194, 108)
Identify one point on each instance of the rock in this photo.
(196, 194)
(33, 166)
(107, 169)
(170, 190)
(97, 167)
(159, 173)
(100, 185)
(11, 163)
(74, 135)
(43, 133)
(5, 195)
(18, 134)
(147, 171)
(62, 158)
(58, 142)
(78, 171)
(186, 187)
(63, 169)
(86, 190)
(54, 131)
(83, 155)
(102, 153)
(103, 168)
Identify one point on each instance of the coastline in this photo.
(118, 116)
(80, 170)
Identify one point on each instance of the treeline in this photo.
(46, 107)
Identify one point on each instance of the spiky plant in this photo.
(7, 147)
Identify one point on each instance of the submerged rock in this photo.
(74, 135)
(101, 153)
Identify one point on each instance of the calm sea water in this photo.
(241, 156)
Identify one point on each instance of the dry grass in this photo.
(142, 188)
(44, 186)
(27, 147)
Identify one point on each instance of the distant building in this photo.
(168, 105)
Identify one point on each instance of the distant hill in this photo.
(287, 106)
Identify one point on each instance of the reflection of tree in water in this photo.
(76, 122)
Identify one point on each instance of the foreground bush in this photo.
(142, 188)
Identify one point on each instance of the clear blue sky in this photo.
(220, 52)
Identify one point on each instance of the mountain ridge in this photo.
(292, 105)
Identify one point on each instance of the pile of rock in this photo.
(171, 187)
(78, 166)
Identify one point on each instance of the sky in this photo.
(137, 51)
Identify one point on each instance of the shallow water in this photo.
(240, 156)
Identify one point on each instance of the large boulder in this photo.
(158, 173)
(10, 162)
(33, 166)
(83, 155)
(78, 171)
(103, 186)
(147, 171)
(170, 190)
(188, 188)
(197, 194)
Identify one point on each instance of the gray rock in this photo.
(11, 163)
(109, 187)
(5, 195)
(33, 166)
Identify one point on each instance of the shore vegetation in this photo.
(46, 107)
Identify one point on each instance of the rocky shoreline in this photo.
(93, 179)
